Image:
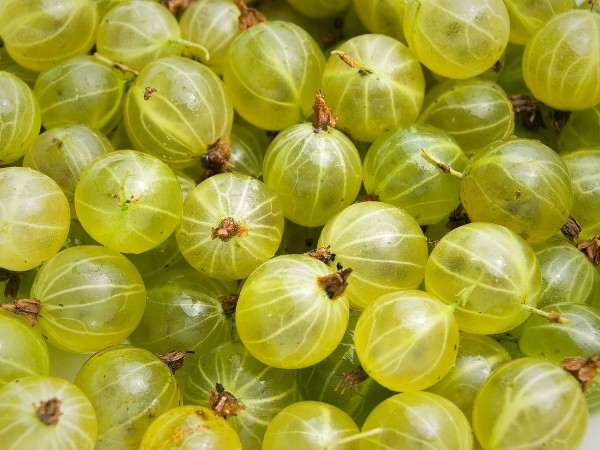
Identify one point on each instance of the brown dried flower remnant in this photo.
(558, 120)
(583, 369)
(249, 16)
(224, 403)
(571, 229)
(432, 242)
(367, 198)
(49, 411)
(330, 37)
(228, 228)
(323, 116)
(524, 103)
(529, 108)
(216, 159)
(148, 91)
(351, 380)
(335, 284)
(229, 304)
(458, 217)
(58, 143)
(591, 249)
(174, 359)
(13, 281)
(323, 254)
(29, 307)
(176, 6)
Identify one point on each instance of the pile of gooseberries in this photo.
(281, 224)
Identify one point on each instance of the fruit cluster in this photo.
(341, 224)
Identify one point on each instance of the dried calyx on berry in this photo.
(49, 411)
(349, 381)
(173, 359)
(323, 254)
(248, 16)
(228, 229)
(591, 249)
(571, 229)
(176, 6)
(323, 116)
(582, 368)
(13, 281)
(335, 284)
(28, 307)
(228, 304)
(216, 159)
(458, 217)
(223, 402)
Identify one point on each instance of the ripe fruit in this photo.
(190, 426)
(512, 410)
(34, 218)
(278, 92)
(489, 273)
(49, 411)
(292, 312)
(457, 39)
(374, 84)
(129, 201)
(560, 61)
(406, 340)
(129, 388)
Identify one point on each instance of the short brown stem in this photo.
(551, 316)
(353, 63)
(444, 166)
(115, 65)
